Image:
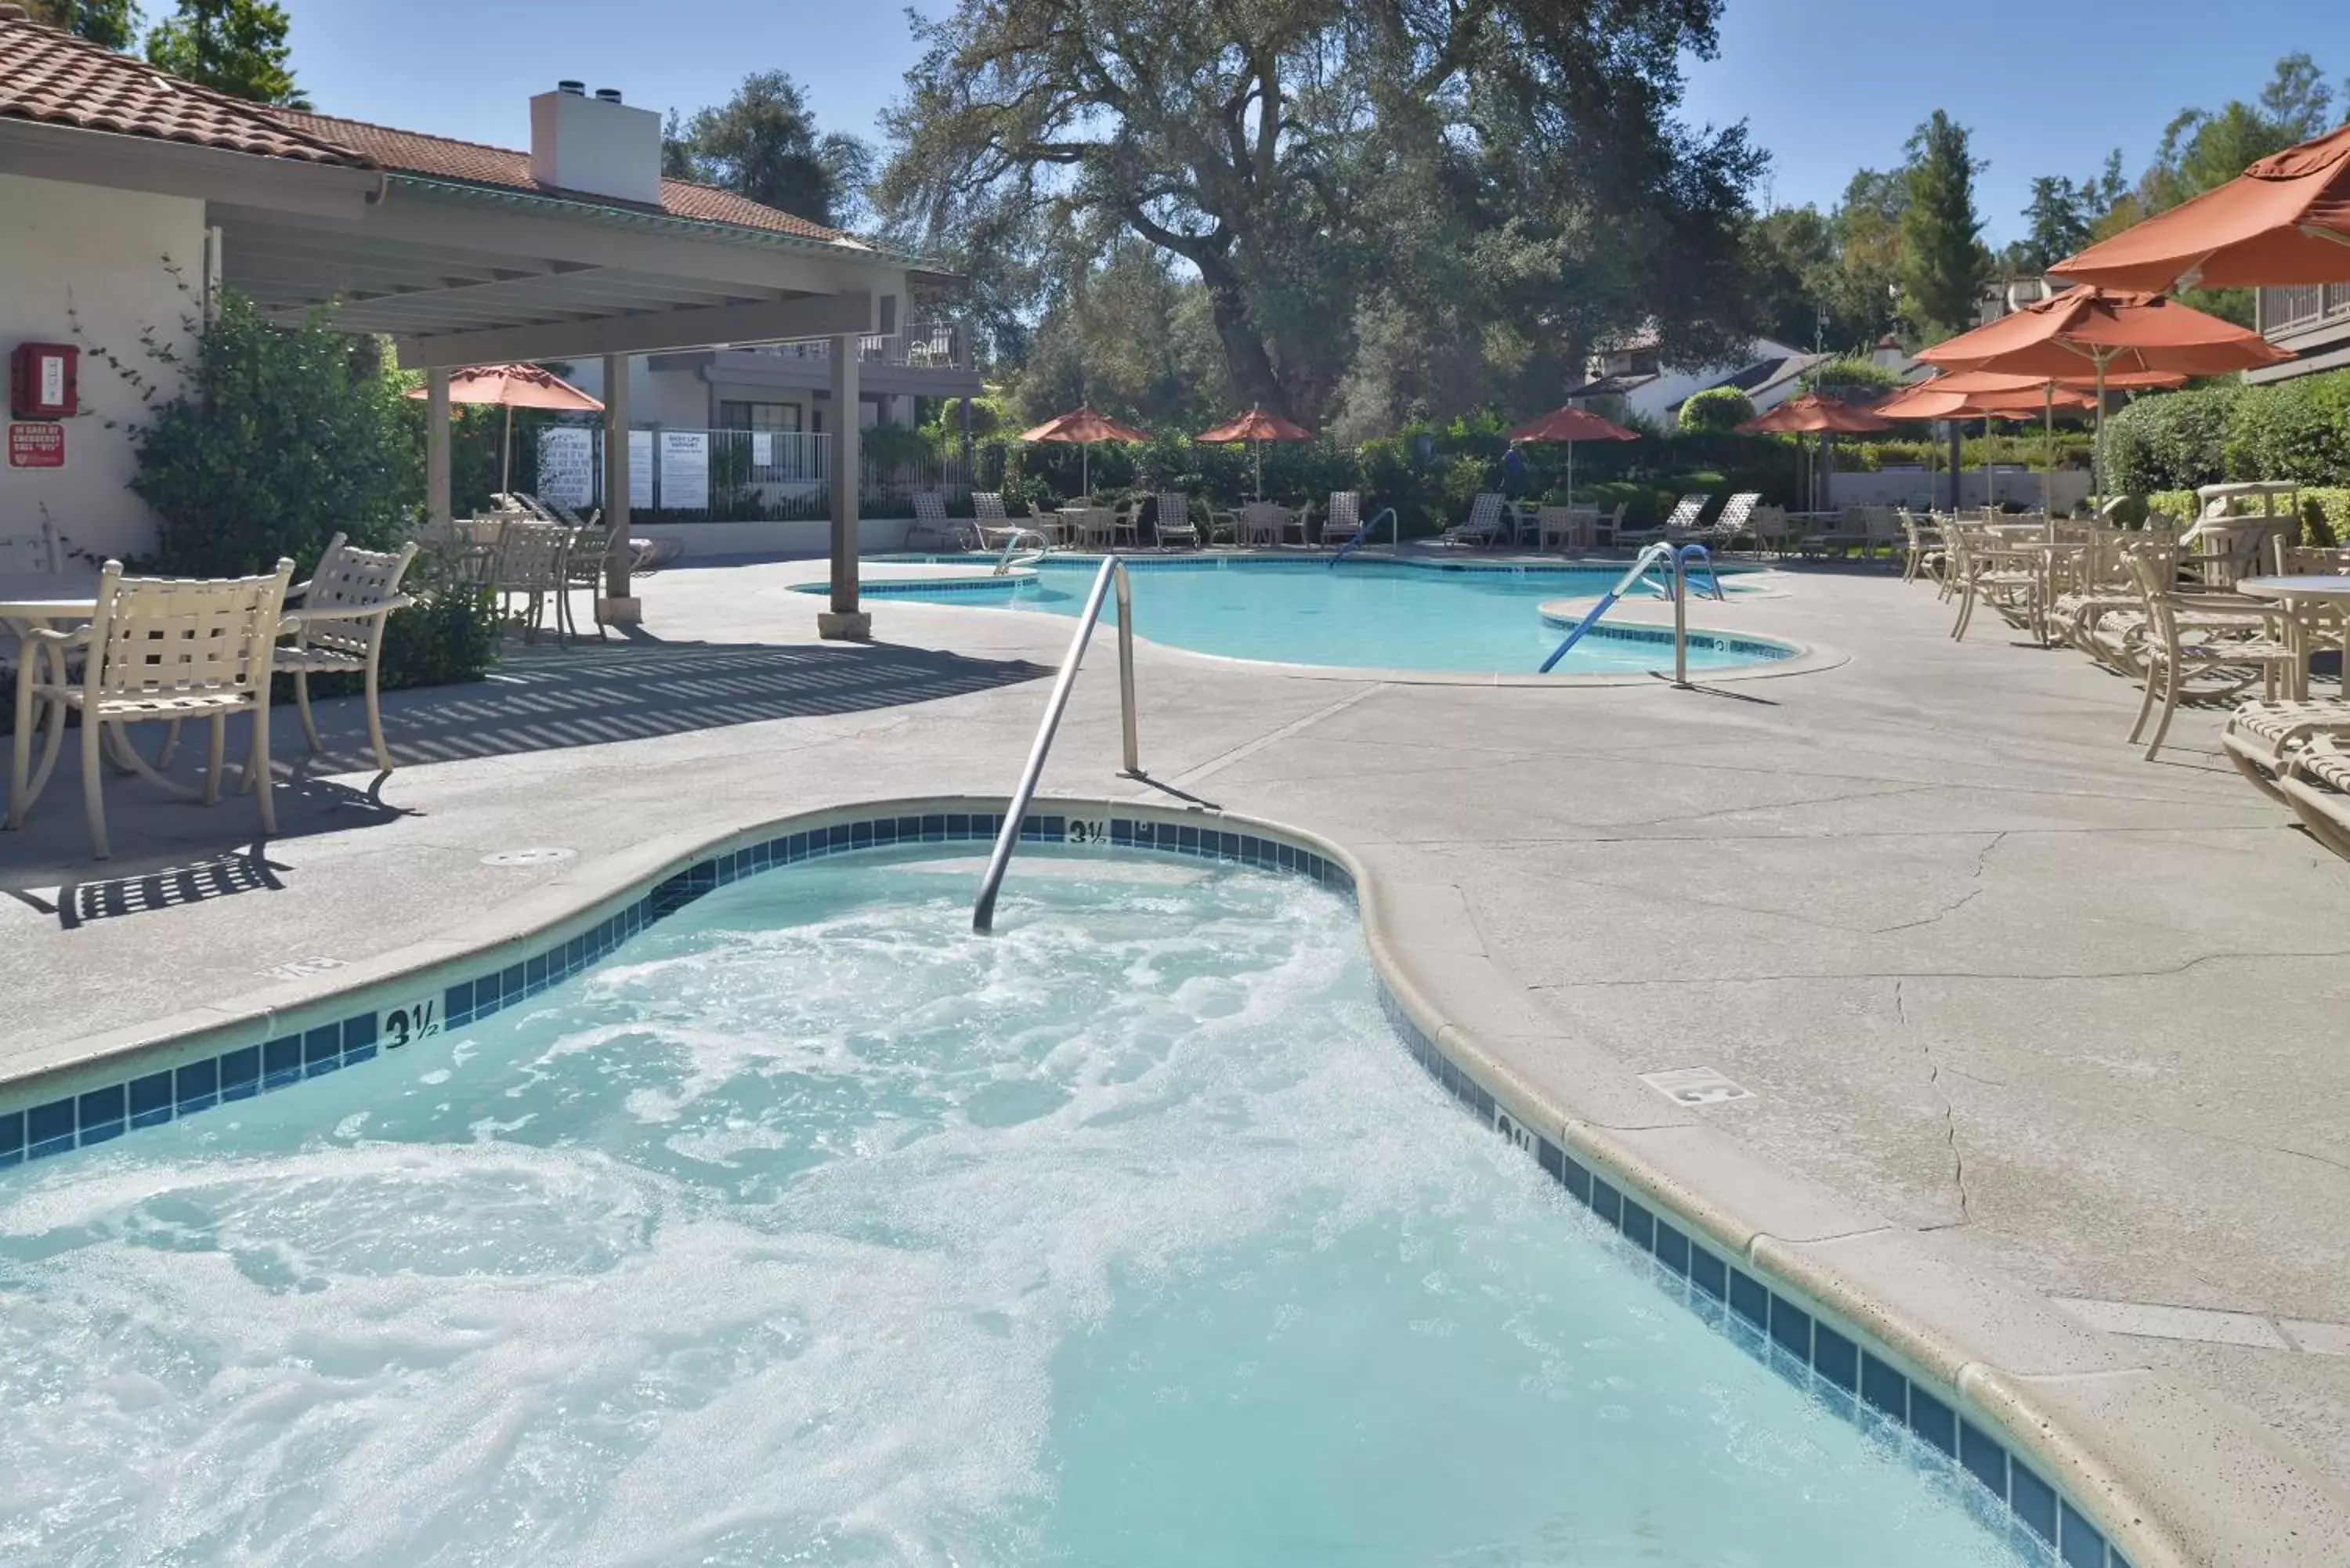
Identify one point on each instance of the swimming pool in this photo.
(1473, 617)
(808, 1227)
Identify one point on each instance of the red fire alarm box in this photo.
(41, 383)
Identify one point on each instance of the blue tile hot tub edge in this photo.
(1838, 1364)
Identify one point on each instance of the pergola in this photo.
(460, 273)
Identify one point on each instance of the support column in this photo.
(618, 604)
(844, 621)
(1957, 454)
(436, 446)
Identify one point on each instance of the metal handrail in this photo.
(1652, 555)
(1363, 535)
(1003, 563)
(1705, 558)
(1113, 570)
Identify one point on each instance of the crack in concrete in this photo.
(1949, 1117)
(1982, 863)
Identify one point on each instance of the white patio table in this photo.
(2297, 593)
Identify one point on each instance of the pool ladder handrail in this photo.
(1113, 572)
(1004, 562)
(1659, 553)
(1363, 535)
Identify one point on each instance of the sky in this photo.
(1826, 85)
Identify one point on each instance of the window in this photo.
(748, 415)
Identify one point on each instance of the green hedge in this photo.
(2297, 429)
(2324, 511)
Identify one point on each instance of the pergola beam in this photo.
(814, 316)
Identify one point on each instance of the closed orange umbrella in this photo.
(1255, 427)
(514, 387)
(1571, 424)
(2283, 221)
(2102, 332)
(1084, 427)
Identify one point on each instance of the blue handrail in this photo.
(1363, 535)
(1654, 555)
(1704, 557)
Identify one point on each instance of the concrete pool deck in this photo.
(2073, 1019)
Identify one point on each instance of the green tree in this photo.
(1868, 279)
(1497, 182)
(235, 47)
(111, 23)
(1794, 259)
(1716, 409)
(763, 144)
(1943, 264)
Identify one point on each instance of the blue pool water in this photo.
(1363, 614)
(810, 1228)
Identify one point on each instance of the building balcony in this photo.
(932, 360)
(2313, 321)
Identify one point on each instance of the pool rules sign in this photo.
(36, 443)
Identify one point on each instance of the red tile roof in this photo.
(52, 78)
(442, 158)
(55, 78)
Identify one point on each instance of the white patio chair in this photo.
(1343, 525)
(532, 563)
(1481, 526)
(1174, 519)
(338, 628)
(933, 529)
(1684, 517)
(158, 649)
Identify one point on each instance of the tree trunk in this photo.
(1244, 352)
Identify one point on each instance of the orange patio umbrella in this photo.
(2101, 332)
(514, 387)
(1084, 427)
(1810, 414)
(1978, 394)
(1570, 425)
(2283, 221)
(1255, 427)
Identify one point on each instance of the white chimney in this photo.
(596, 145)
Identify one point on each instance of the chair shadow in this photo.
(539, 697)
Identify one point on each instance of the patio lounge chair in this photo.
(1723, 532)
(1684, 517)
(338, 627)
(932, 529)
(2262, 738)
(2316, 784)
(158, 650)
(1343, 525)
(1481, 526)
(1174, 520)
(2245, 641)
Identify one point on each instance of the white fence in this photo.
(732, 476)
(1917, 487)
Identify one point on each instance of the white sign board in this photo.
(640, 471)
(685, 471)
(762, 450)
(567, 463)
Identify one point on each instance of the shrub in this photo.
(2168, 441)
(284, 436)
(1720, 408)
(2291, 430)
(2324, 511)
(1850, 370)
(448, 636)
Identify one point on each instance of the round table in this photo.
(2317, 588)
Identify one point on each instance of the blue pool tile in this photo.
(510, 984)
(150, 1100)
(322, 1050)
(1984, 1458)
(796, 847)
(101, 1113)
(1638, 1225)
(934, 827)
(534, 973)
(1749, 1299)
(457, 1002)
(49, 1123)
(1227, 845)
(1578, 1181)
(12, 1137)
(910, 829)
(1672, 1248)
(1056, 829)
(1121, 831)
(1551, 1157)
(1605, 1201)
(240, 1072)
(1187, 840)
(358, 1033)
(281, 1060)
(1837, 1358)
(860, 836)
(1884, 1388)
(196, 1085)
(575, 953)
(1708, 1274)
(2082, 1546)
(1792, 1328)
(1933, 1421)
(2114, 1559)
(2033, 1500)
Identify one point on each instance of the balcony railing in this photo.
(941, 346)
(2303, 307)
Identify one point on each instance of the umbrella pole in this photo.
(506, 457)
(1570, 473)
(1990, 471)
(2096, 452)
(2048, 450)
